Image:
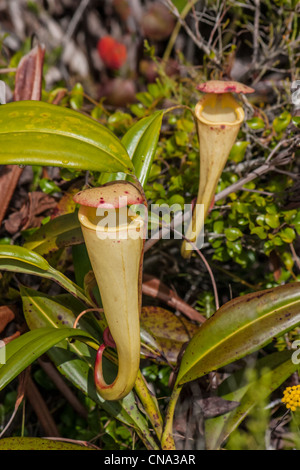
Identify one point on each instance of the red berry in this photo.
(112, 52)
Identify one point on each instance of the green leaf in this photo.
(233, 234)
(238, 151)
(272, 209)
(38, 133)
(276, 368)
(281, 122)
(242, 207)
(21, 260)
(82, 264)
(14, 254)
(288, 260)
(260, 232)
(234, 247)
(76, 100)
(176, 199)
(296, 121)
(272, 220)
(41, 310)
(260, 220)
(256, 123)
(58, 233)
(218, 226)
(138, 109)
(24, 350)
(181, 138)
(48, 186)
(287, 235)
(240, 327)
(38, 443)
(140, 142)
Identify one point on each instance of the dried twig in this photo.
(155, 288)
(41, 410)
(73, 441)
(75, 20)
(61, 385)
(282, 159)
(8, 70)
(197, 39)
(217, 303)
(295, 256)
(256, 33)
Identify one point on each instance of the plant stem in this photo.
(23, 419)
(180, 106)
(150, 404)
(167, 440)
(176, 30)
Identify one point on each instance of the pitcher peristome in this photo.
(219, 117)
(116, 254)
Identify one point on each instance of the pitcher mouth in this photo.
(114, 208)
(113, 195)
(220, 110)
(110, 220)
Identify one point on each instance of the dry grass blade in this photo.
(23, 379)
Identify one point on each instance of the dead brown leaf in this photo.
(169, 331)
(7, 314)
(28, 85)
(30, 214)
(211, 407)
(10, 338)
(29, 75)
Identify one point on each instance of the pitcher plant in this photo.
(219, 117)
(114, 237)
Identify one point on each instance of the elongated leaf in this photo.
(37, 443)
(10, 253)
(140, 142)
(24, 350)
(41, 310)
(82, 265)
(58, 233)
(21, 260)
(276, 369)
(240, 327)
(38, 133)
(76, 361)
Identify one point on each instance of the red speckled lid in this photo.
(112, 195)
(219, 86)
